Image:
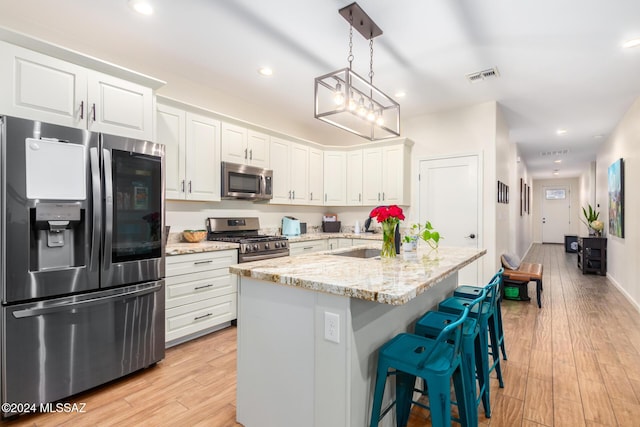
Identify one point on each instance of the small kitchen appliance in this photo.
(290, 226)
(244, 231)
(246, 182)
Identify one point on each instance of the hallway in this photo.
(576, 361)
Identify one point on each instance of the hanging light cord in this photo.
(371, 60)
(350, 57)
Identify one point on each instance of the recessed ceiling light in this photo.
(557, 161)
(400, 94)
(556, 172)
(141, 6)
(265, 71)
(561, 131)
(631, 43)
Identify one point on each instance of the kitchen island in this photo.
(309, 328)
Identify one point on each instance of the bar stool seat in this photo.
(474, 354)
(472, 292)
(436, 361)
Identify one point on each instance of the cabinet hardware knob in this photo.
(251, 154)
(81, 110)
(190, 187)
(93, 111)
(182, 185)
(245, 153)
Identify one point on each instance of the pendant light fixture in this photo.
(351, 102)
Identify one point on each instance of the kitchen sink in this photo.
(361, 253)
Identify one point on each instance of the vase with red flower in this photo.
(389, 217)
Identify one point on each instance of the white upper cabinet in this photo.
(40, 87)
(290, 164)
(372, 176)
(335, 178)
(316, 174)
(386, 178)
(354, 178)
(192, 163)
(243, 146)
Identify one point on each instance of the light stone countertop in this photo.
(392, 281)
(177, 247)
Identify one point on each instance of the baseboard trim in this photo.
(623, 291)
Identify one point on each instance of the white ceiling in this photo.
(561, 62)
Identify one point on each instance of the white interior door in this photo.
(449, 198)
(556, 214)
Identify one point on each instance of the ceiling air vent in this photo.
(554, 153)
(490, 73)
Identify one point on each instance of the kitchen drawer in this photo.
(194, 287)
(307, 247)
(193, 263)
(191, 318)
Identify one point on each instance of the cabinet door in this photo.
(335, 189)
(170, 132)
(258, 149)
(316, 174)
(299, 166)
(354, 178)
(372, 176)
(203, 163)
(38, 87)
(234, 144)
(393, 175)
(279, 161)
(119, 107)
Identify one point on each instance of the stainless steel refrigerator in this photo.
(81, 259)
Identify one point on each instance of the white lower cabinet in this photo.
(339, 243)
(201, 294)
(310, 246)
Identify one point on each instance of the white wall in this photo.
(623, 253)
(522, 235)
(469, 130)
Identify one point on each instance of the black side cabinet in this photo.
(592, 255)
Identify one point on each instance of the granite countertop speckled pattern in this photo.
(183, 248)
(392, 281)
(321, 236)
(177, 247)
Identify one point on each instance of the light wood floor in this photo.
(575, 362)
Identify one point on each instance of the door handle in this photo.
(81, 110)
(470, 236)
(251, 154)
(245, 153)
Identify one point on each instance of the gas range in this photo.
(244, 231)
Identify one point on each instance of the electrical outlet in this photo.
(332, 327)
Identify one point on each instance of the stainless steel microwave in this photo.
(246, 182)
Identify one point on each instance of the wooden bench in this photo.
(526, 272)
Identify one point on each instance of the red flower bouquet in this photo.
(389, 217)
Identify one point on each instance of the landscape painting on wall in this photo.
(616, 198)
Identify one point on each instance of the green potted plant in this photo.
(428, 234)
(591, 220)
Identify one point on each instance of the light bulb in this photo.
(362, 111)
(352, 103)
(338, 96)
(371, 115)
(379, 119)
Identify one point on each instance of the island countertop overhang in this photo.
(393, 281)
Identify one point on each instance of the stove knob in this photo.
(277, 244)
(256, 247)
(266, 246)
(247, 248)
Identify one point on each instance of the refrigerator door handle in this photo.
(57, 306)
(108, 209)
(96, 199)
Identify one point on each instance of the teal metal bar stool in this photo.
(407, 356)
(474, 351)
(487, 320)
(471, 292)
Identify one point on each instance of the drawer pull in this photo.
(210, 285)
(203, 316)
(308, 247)
(209, 261)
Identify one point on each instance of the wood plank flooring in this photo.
(575, 362)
